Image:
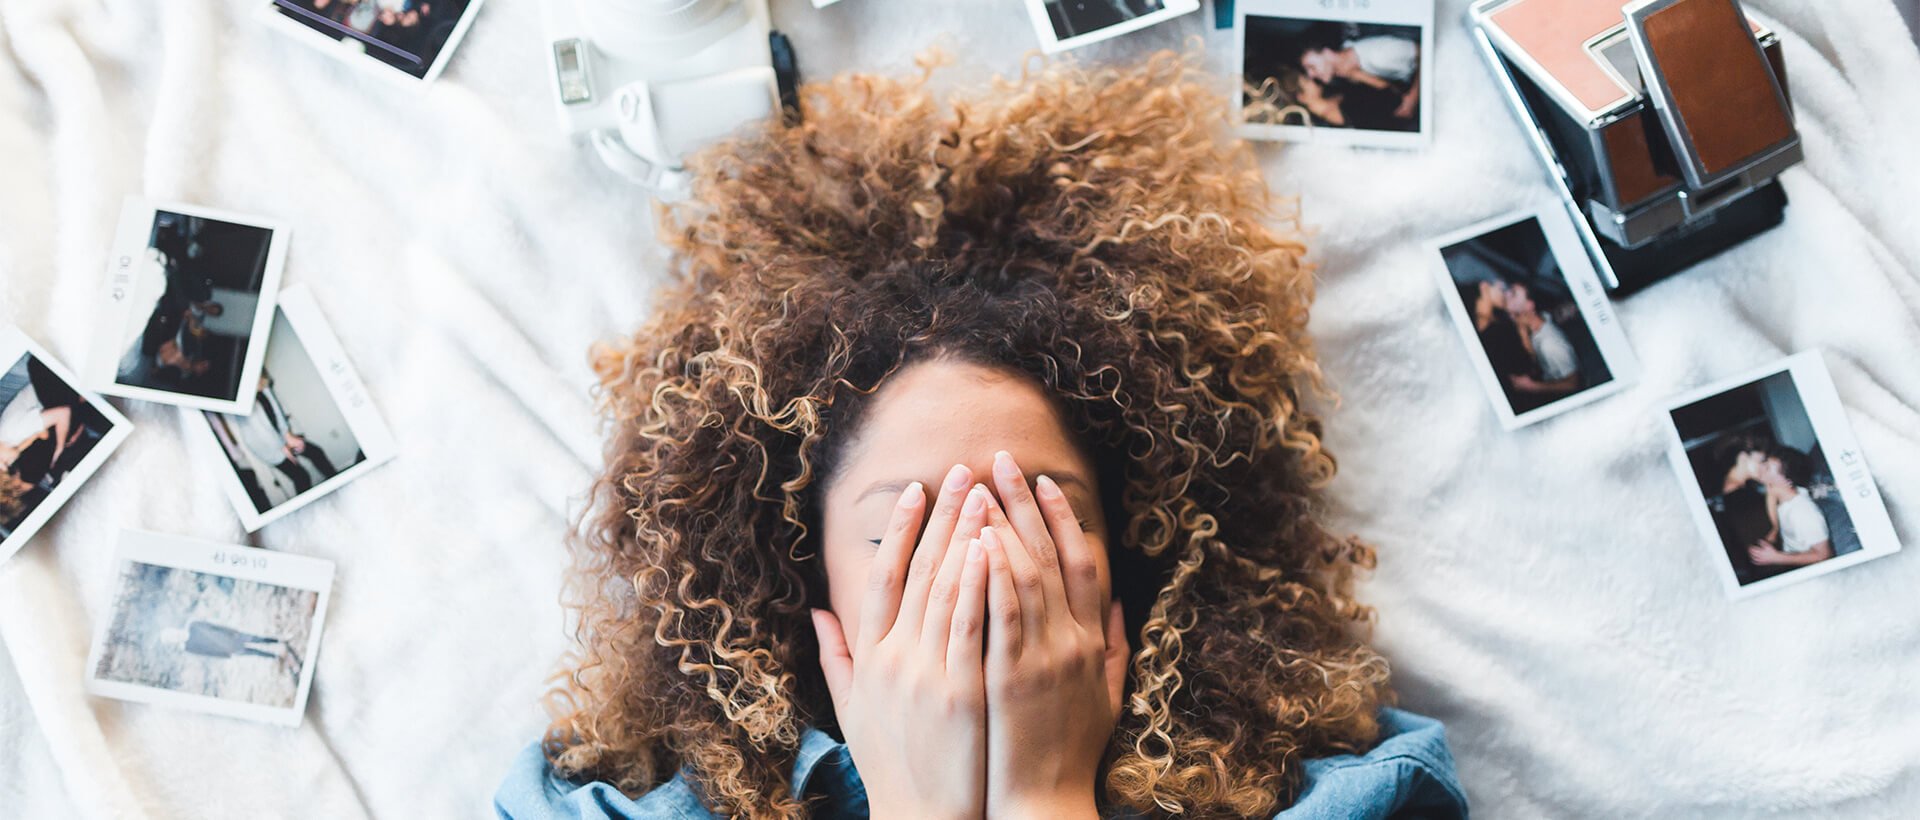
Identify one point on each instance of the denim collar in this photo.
(829, 761)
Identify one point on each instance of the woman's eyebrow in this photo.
(1064, 478)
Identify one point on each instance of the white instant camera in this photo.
(649, 81)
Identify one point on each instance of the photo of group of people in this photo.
(1358, 81)
(215, 627)
(411, 36)
(1530, 304)
(190, 289)
(52, 437)
(1778, 485)
(1065, 24)
(310, 428)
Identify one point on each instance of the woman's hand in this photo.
(910, 694)
(1056, 653)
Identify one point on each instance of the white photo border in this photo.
(1043, 26)
(1858, 491)
(130, 242)
(1588, 294)
(346, 389)
(1395, 12)
(232, 561)
(13, 344)
(267, 13)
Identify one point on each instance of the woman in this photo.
(822, 574)
(1799, 534)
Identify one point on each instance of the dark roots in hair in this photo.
(1096, 230)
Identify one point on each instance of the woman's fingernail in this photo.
(976, 499)
(1046, 487)
(957, 477)
(1003, 464)
(913, 492)
(973, 549)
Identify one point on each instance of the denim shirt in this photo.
(1408, 774)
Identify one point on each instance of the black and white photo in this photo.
(312, 427)
(53, 436)
(411, 39)
(189, 295)
(1353, 73)
(1065, 24)
(1775, 481)
(219, 628)
(1528, 304)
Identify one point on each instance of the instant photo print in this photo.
(188, 298)
(1778, 487)
(312, 428)
(218, 628)
(1662, 123)
(1535, 320)
(1350, 72)
(1065, 24)
(53, 436)
(406, 39)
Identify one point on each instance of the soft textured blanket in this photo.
(1543, 592)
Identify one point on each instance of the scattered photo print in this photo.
(219, 628)
(1776, 482)
(1065, 24)
(53, 436)
(410, 38)
(312, 429)
(190, 292)
(1526, 299)
(1345, 71)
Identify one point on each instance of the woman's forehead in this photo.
(929, 417)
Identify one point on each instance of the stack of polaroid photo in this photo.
(1778, 488)
(1347, 72)
(194, 317)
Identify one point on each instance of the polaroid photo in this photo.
(220, 628)
(1066, 24)
(189, 296)
(53, 436)
(1778, 488)
(405, 39)
(1348, 72)
(312, 429)
(1525, 297)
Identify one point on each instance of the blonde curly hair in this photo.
(1095, 229)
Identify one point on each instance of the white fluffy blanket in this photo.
(1543, 592)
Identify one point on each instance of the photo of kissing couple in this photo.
(1772, 495)
(1523, 312)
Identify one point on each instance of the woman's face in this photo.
(926, 418)
(1494, 295)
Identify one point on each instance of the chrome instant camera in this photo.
(648, 81)
(1663, 123)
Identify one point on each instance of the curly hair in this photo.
(1097, 230)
